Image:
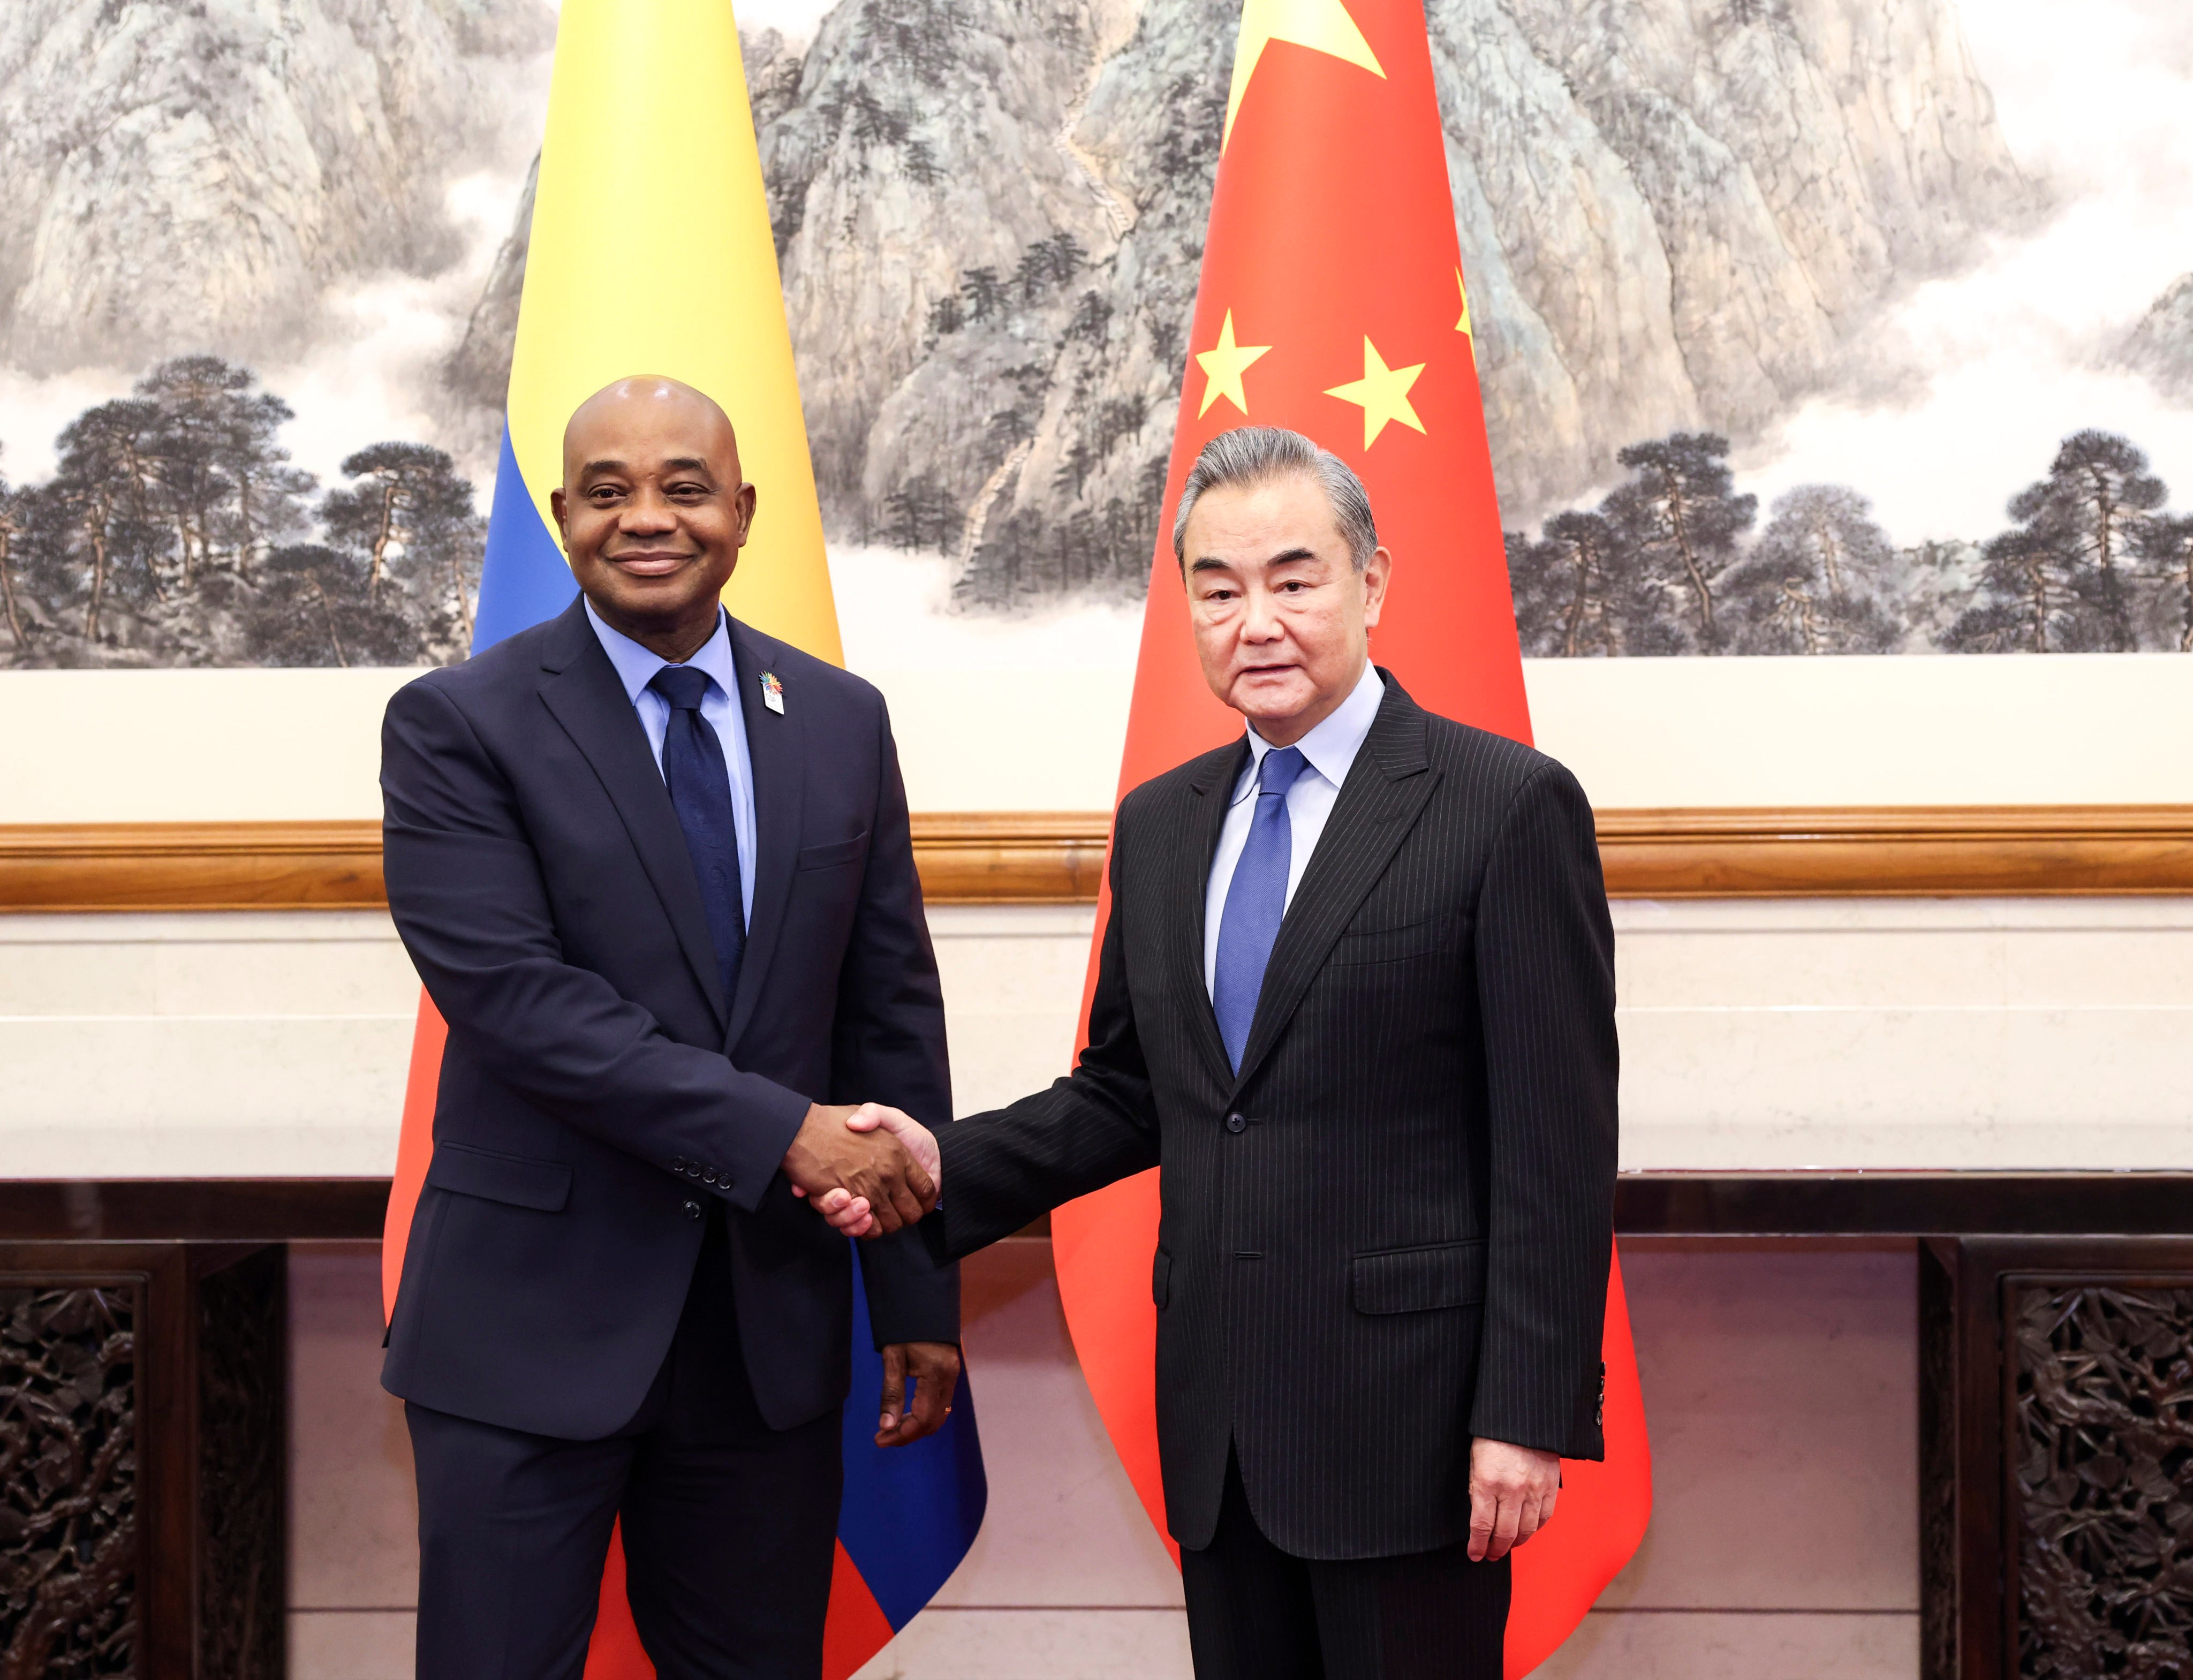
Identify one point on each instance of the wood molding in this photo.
(1913, 851)
(1056, 857)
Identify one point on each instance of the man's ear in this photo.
(1377, 572)
(747, 498)
(555, 506)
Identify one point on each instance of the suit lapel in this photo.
(1188, 895)
(582, 690)
(1385, 792)
(776, 747)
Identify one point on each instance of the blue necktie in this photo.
(701, 792)
(1255, 900)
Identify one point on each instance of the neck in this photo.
(1287, 731)
(675, 641)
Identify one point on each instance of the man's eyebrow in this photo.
(593, 466)
(688, 464)
(1208, 564)
(1281, 559)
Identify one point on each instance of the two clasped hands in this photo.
(871, 1169)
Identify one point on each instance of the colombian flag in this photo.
(651, 254)
(1331, 302)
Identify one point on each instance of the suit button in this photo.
(1234, 1122)
(677, 1163)
(692, 1210)
(693, 1169)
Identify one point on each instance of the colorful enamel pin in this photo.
(772, 692)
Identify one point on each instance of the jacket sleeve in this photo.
(1096, 1125)
(466, 890)
(1545, 968)
(889, 1047)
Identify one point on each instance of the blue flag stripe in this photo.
(910, 1512)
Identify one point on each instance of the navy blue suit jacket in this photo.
(598, 1088)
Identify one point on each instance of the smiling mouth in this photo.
(648, 563)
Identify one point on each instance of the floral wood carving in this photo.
(68, 1473)
(2102, 1486)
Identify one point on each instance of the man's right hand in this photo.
(851, 1215)
(873, 1167)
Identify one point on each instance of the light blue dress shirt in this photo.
(636, 667)
(1331, 749)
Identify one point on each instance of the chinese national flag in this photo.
(1333, 303)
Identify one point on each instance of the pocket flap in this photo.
(833, 853)
(1161, 1279)
(1417, 1280)
(518, 1179)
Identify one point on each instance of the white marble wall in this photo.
(1781, 1388)
(1889, 1033)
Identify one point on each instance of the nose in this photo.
(647, 513)
(1260, 618)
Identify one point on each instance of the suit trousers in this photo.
(1257, 1613)
(729, 1527)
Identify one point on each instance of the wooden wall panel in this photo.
(1056, 857)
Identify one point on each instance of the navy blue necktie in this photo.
(701, 791)
(1255, 900)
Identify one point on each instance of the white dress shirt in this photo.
(1329, 749)
(636, 667)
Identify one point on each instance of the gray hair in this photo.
(1257, 454)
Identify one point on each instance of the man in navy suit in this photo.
(654, 869)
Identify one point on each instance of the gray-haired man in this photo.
(1357, 996)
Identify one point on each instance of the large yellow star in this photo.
(1222, 366)
(1382, 393)
(1322, 25)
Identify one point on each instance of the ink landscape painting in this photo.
(1805, 327)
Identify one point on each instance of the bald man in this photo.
(655, 870)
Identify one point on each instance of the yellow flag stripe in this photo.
(651, 254)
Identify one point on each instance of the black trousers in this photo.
(1257, 1613)
(729, 1526)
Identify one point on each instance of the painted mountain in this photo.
(1686, 224)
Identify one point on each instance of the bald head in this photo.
(645, 402)
(653, 509)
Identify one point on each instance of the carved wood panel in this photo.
(2100, 1445)
(68, 1481)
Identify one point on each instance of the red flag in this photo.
(1333, 303)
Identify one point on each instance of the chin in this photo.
(1271, 706)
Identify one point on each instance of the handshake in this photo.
(868, 1169)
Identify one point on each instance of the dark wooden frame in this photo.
(209, 1381)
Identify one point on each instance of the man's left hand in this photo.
(935, 1367)
(1512, 1490)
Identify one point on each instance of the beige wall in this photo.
(1750, 1424)
(2103, 728)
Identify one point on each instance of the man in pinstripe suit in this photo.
(1356, 994)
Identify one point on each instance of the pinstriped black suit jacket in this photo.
(1390, 1232)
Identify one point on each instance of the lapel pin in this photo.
(772, 692)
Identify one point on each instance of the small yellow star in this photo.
(1463, 325)
(1322, 25)
(1222, 366)
(1382, 394)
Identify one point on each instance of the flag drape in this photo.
(1332, 302)
(650, 253)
